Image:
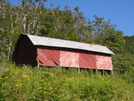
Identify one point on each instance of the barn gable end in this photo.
(35, 50)
(25, 52)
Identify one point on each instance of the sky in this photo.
(120, 12)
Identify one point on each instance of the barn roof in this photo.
(53, 42)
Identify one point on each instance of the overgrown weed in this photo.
(60, 84)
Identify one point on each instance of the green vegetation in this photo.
(23, 83)
(129, 45)
(58, 84)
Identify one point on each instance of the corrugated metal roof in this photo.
(46, 41)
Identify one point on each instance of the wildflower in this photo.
(82, 78)
(101, 77)
(48, 73)
(42, 80)
(17, 71)
(70, 79)
(6, 77)
(39, 88)
(24, 76)
(18, 85)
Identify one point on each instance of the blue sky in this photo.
(120, 12)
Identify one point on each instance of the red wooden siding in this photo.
(87, 61)
(53, 57)
(104, 62)
(69, 59)
(48, 57)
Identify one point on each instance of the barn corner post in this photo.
(112, 72)
(60, 67)
(96, 71)
(37, 62)
(78, 70)
(103, 72)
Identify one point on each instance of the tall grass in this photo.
(59, 84)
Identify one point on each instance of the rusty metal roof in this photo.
(46, 41)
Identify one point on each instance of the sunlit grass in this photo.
(59, 84)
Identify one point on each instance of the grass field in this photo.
(24, 83)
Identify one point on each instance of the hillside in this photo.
(23, 83)
(58, 84)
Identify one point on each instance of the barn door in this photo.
(104, 62)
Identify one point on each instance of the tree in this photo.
(129, 45)
(106, 34)
(7, 30)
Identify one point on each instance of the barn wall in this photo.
(69, 59)
(52, 56)
(104, 62)
(87, 60)
(26, 52)
(48, 57)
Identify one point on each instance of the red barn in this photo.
(44, 51)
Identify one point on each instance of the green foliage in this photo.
(106, 34)
(129, 45)
(124, 62)
(60, 84)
